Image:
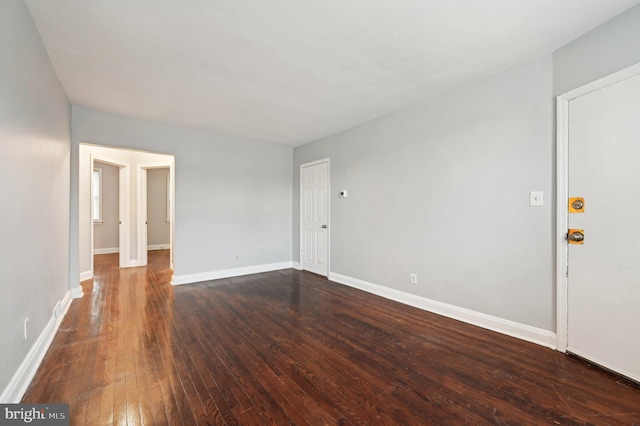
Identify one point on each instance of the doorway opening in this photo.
(109, 220)
(155, 207)
(132, 235)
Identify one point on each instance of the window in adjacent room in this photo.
(168, 197)
(96, 195)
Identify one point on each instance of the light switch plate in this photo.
(536, 198)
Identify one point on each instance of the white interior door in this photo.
(603, 275)
(314, 212)
(144, 219)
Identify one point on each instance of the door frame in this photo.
(301, 213)
(562, 193)
(124, 210)
(141, 172)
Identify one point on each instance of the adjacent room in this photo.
(278, 212)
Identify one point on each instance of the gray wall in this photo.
(611, 47)
(157, 227)
(34, 186)
(232, 196)
(442, 190)
(439, 189)
(105, 234)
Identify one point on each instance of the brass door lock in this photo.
(576, 205)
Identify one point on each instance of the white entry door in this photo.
(603, 275)
(314, 211)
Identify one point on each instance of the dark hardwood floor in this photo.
(289, 347)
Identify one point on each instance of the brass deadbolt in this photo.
(576, 205)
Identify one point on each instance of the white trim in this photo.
(61, 308)
(300, 213)
(296, 265)
(125, 216)
(77, 293)
(562, 191)
(20, 381)
(228, 273)
(141, 208)
(500, 325)
(158, 247)
(141, 175)
(92, 167)
(172, 223)
(86, 275)
(108, 250)
(603, 82)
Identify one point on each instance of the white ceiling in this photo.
(293, 71)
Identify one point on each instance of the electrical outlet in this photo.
(26, 328)
(413, 278)
(236, 257)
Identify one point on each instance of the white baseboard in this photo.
(296, 265)
(77, 293)
(86, 275)
(227, 273)
(60, 310)
(20, 381)
(500, 325)
(117, 249)
(106, 250)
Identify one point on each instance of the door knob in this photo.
(324, 226)
(575, 236)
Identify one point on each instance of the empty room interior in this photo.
(297, 212)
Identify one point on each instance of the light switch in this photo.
(536, 198)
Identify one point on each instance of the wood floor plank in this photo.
(289, 347)
(259, 351)
(288, 389)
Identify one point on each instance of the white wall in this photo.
(34, 189)
(105, 233)
(232, 196)
(158, 226)
(442, 190)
